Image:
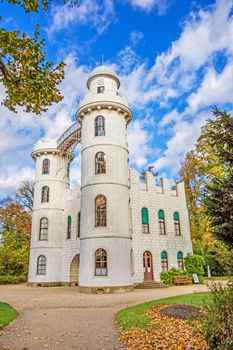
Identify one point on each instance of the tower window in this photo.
(161, 222)
(164, 261)
(43, 235)
(100, 211)
(100, 89)
(99, 126)
(100, 163)
(41, 265)
(46, 166)
(177, 223)
(45, 194)
(145, 220)
(101, 262)
(69, 227)
(78, 224)
(180, 261)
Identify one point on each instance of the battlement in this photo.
(149, 184)
(45, 144)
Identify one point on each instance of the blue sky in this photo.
(174, 59)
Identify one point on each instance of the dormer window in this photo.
(100, 89)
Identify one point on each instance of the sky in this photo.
(174, 59)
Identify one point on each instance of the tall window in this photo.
(99, 126)
(145, 221)
(69, 227)
(100, 163)
(162, 230)
(78, 224)
(101, 268)
(180, 261)
(100, 211)
(43, 235)
(46, 166)
(41, 265)
(164, 261)
(177, 224)
(45, 194)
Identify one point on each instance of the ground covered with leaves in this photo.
(167, 332)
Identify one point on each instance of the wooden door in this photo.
(148, 266)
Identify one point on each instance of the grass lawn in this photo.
(136, 315)
(7, 314)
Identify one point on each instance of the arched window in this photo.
(41, 265)
(162, 230)
(164, 261)
(145, 221)
(177, 223)
(69, 227)
(78, 224)
(100, 211)
(180, 261)
(99, 126)
(46, 166)
(43, 235)
(101, 266)
(45, 194)
(100, 163)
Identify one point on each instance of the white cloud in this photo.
(183, 139)
(169, 117)
(97, 14)
(215, 89)
(135, 36)
(147, 5)
(13, 177)
(204, 33)
(139, 139)
(18, 132)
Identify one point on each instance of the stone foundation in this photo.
(105, 290)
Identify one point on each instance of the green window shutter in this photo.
(179, 255)
(145, 219)
(69, 220)
(161, 214)
(164, 255)
(79, 217)
(176, 216)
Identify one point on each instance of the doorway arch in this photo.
(74, 270)
(148, 266)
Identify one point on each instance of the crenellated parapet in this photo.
(149, 184)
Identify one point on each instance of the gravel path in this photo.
(61, 318)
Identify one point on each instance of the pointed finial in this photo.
(102, 59)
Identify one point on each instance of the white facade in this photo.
(92, 235)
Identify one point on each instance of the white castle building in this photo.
(113, 231)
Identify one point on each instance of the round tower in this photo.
(51, 182)
(105, 239)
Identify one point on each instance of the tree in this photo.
(218, 192)
(15, 230)
(28, 79)
(207, 173)
(24, 195)
(192, 173)
(220, 259)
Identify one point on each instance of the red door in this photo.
(148, 266)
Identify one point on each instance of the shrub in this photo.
(218, 324)
(8, 279)
(194, 264)
(220, 259)
(167, 277)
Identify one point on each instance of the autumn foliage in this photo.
(166, 333)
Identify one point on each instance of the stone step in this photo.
(150, 285)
